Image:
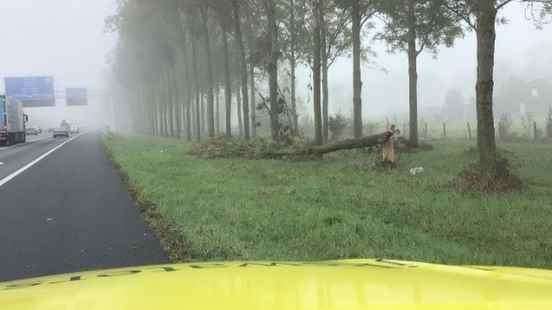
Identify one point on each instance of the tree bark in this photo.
(253, 103)
(188, 119)
(293, 66)
(177, 103)
(318, 139)
(169, 103)
(217, 110)
(486, 36)
(227, 85)
(324, 56)
(273, 70)
(210, 96)
(197, 92)
(412, 73)
(239, 110)
(243, 69)
(349, 144)
(357, 82)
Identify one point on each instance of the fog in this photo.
(66, 39)
(61, 38)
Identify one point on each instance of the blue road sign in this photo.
(35, 91)
(76, 96)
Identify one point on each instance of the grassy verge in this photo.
(341, 207)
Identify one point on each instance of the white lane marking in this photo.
(34, 162)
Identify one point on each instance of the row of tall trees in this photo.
(184, 66)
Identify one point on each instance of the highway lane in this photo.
(68, 213)
(14, 157)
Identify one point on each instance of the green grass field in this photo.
(341, 207)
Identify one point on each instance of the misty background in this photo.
(66, 39)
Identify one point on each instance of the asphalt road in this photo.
(68, 213)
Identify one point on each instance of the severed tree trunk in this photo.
(486, 36)
(357, 82)
(412, 73)
(243, 68)
(318, 140)
(349, 144)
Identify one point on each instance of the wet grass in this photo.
(342, 207)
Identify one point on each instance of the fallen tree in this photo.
(348, 144)
(266, 149)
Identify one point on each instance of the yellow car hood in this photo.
(350, 284)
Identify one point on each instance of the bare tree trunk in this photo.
(412, 73)
(197, 92)
(168, 103)
(349, 144)
(253, 104)
(239, 110)
(203, 115)
(210, 96)
(486, 36)
(293, 66)
(217, 110)
(243, 69)
(188, 119)
(273, 70)
(316, 73)
(357, 82)
(325, 99)
(177, 104)
(253, 101)
(227, 85)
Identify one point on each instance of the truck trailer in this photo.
(12, 121)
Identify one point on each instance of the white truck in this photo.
(12, 121)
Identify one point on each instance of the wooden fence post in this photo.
(444, 130)
(535, 134)
(469, 131)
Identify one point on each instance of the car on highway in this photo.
(61, 132)
(32, 131)
(75, 129)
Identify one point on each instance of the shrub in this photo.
(337, 125)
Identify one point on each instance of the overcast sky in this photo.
(66, 39)
(61, 38)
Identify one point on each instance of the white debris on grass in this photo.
(417, 170)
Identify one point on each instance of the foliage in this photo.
(337, 125)
(232, 209)
(432, 25)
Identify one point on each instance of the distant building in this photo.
(518, 97)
